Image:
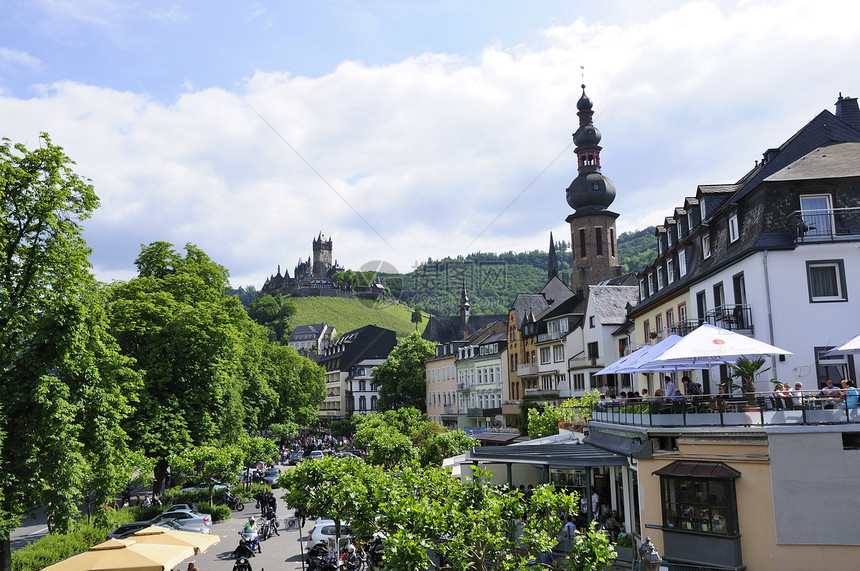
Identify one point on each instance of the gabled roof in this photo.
(315, 329)
(610, 302)
(568, 306)
(556, 291)
(447, 329)
(526, 303)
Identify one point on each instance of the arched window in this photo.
(362, 403)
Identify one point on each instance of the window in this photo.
(702, 210)
(647, 330)
(658, 323)
(582, 251)
(659, 245)
(826, 280)
(703, 505)
(670, 320)
(558, 353)
(612, 242)
(679, 229)
(817, 213)
(670, 271)
(682, 263)
(598, 238)
(591, 322)
(643, 293)
(682, 312)
(659, 278)
(706, 247)
(593, 351)
(545, 355)
(734, 231)
(579, 382)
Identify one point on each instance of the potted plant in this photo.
(624, 547)
(746, 370)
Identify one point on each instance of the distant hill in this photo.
(492, 282)
(348, 314)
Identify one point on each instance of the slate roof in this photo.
(447, 329)
(526, 303)
(316, 329)
(610, 302)
(836, 160)
(556, 291)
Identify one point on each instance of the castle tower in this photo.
(322, 256)
(593, 239)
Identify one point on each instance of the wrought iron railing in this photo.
(825, 225)
(731, 316)
(686, 326)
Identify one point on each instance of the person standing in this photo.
(669, 388)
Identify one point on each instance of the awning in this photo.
(567, 455)
(637, 446)
(497, 437)
(680, 468)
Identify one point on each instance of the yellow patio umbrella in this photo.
(126, 555)
(163, 536)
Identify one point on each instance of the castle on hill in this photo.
(313, 277)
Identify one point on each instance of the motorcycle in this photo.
(249, 543)
(319, 559)
(350, 559)
(233, 502)
(374, 550)
(269, 527)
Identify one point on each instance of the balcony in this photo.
(527, 370)
(448, 409)
(709, 411)
(543, 337)
(585, 363)
(825, 225)
(462, 386)
(683, 327)
(544, 393)
(733, 317)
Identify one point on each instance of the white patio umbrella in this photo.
(627, 360)
(850, 346)
(708, 343)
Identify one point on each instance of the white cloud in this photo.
(431, 149)
(10, 57)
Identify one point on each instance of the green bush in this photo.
(54, 548)
(218, 513)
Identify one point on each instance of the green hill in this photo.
(348, 314)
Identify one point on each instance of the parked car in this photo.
(204, 487)
(324, 530)
(129, 529)
(189, 519)
(296, 457)
(173, 507)
(317, 455)
(270, 477)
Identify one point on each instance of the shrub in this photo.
(218, 513)
(53, 548)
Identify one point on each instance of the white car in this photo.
(324, 530)
(190, 520)
(317, 455)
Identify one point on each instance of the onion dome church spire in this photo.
(593, 240)
(590, 190)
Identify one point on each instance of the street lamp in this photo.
(650, 557)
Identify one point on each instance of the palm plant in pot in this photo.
(746, 370)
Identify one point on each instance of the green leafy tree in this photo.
(210, 464)
(544, 423)
(401, 378)
(417, 317)
(64, 383)
(196, 346)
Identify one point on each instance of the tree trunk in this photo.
(160, 476)
(6, 554)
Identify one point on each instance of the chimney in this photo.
(769, 155)
(848, 111)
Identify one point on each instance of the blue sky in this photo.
(402, 129)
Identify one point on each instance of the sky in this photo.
(403, 130)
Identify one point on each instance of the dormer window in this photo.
(643, 293)
(682, 263)
(706, 247)
(679, 230)
(659, 278)
(734, 229)
(670, 271)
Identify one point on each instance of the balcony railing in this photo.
(527, 370)
(585, 362)
(448, 409)
(683, 327)
(732, 317)
(542, 392)
(825, 225)
(462, 386)
(759, 409)
(483, 412)
(551, 336)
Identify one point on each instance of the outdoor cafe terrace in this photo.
(758, 409)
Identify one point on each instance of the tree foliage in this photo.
(401, 378)
(208, 464)
(470, 524)
(64, 389)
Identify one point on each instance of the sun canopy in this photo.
(162, 536)
(708, 343)
(126, 554)
(850, 346)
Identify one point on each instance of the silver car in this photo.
(190, 520)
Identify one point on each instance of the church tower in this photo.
(552, 261)
(593, 239)
(322, 259)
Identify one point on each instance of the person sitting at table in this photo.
(690, 387)
(719, 401)
(852, 397)
(797, 392)
(831, 393)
